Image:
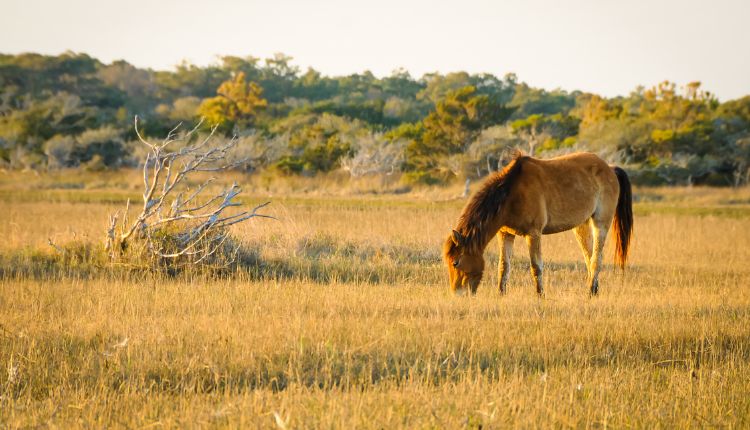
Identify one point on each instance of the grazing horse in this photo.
(532, 197)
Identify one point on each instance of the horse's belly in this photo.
(552, 229)
(565, 220)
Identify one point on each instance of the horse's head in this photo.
(465, 267)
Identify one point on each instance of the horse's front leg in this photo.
(534, 241)
(506, 252)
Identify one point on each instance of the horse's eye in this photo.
(455, 263)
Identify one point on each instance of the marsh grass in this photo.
(408, 355)
(339, 316)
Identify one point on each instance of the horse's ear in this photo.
(458, 240)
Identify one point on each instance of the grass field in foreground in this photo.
(347, 322)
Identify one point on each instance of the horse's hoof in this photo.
(594, 288)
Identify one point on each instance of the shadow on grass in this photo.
(319, 259)
(343, 266)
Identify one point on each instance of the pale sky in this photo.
(603, 46)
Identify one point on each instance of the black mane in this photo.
(486, 202)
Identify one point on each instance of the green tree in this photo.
(529, 101)
(237, 104)
(317, 142)
(137, 85)
(439, 86)
(278, 78)
(189, 80)
(454, 124)
(547, 132)
(100, 146)
(38, 121)
(247, 65)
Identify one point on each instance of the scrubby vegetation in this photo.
(75, 111)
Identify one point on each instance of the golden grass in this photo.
(348, 322)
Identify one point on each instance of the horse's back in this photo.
(580, 161)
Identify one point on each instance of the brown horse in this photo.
(532, 197)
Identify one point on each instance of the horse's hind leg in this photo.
(583, 234)
(600, 235)
(506, 252)
(535, 255)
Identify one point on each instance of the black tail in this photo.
(623, 222)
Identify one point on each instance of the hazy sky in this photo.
(603, 46)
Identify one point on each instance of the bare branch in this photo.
(199, 190)
(140, 137)
(196, 225)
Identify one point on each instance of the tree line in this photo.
(72, 110)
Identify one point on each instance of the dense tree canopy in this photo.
(236, 104)
(73, 110)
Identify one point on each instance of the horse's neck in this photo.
(482, 242)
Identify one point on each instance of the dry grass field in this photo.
(342, 318)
